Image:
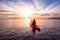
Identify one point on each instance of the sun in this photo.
(26, 12)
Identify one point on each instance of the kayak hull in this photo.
(35, 27)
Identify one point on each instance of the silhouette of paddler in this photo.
(34, 26)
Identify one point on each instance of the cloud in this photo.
(17, 5)
(5, 7)
(51, 6)
(4, 11)
(55, 9)
(20, 5)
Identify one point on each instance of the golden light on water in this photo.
(26, 13)
(27, 22)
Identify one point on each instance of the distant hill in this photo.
(54, 18)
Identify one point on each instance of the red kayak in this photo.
(35, 27)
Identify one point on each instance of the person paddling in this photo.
(34, 26)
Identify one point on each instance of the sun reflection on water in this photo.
(27, 22)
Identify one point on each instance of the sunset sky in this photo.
(30, 6)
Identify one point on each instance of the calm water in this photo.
(25, 22)
(19, 28)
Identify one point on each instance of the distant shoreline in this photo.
(28, 18)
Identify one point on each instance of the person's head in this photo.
(33, 19)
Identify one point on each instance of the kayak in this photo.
(35, 27)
